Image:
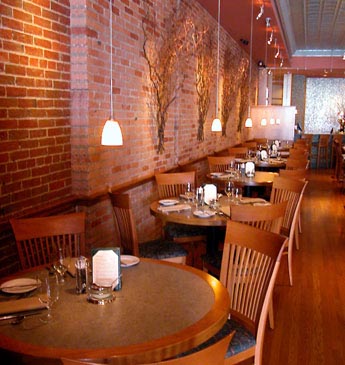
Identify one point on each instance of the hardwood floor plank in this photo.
(310, 316)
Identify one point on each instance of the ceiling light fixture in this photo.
(249, 122)
(261, 12)
(344, 57)
(111, 134)
(277, 53)
(216, 124)
(270, 38)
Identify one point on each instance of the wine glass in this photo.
(48, 294)
(228, 189)
(237, 195)
(189, 193)
(61, 260)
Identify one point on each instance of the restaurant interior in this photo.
(103, 104)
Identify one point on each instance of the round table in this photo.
(162, 310)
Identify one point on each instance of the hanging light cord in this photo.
(251, 49)
(111, 58)
(218, 57)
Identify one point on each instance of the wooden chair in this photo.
(251, 145)
(291, 190)
(213, 354)
(193, 238)
(36, 237)
(238, 152)
(250, 263)
(299, 153)
(267, 217)
(322, 150)
(296, 163)
(220, 163)
(125, 223)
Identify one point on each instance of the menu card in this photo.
(106, 267)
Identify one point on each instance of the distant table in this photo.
(162, 310)
(272, 165)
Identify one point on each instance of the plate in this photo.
(18, 286)
(216, 174)
(128, 260)
(204, 213)
(167, 202)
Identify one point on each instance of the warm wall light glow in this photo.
(272, 121)
(263, 122)
(277, 121)
(248, 123)
(111, 135)
(216, 125)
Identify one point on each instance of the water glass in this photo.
(189, 193)
(228, 189)
(61, 260)
(200, 197)
(48, 294)
(237, 195)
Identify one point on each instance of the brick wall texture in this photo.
(55, 98)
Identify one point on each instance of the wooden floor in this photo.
(310, 316)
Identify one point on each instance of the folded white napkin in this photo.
(20, 305)
(174, 208)
(248, 200)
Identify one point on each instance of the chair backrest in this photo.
(213, 354)
(174, 184)
(220, 163)
(250, 262)
(36, 238)
(238, 152)
(302, 152)
(267, 217)
(296, 163)
(287, 189)
(323, 141)
(125, 223)
(298, 174)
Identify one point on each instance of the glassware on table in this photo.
(236, 195)
(189, 193)
(48, 294)
(61, 260)
(199, 197)
(228, 189)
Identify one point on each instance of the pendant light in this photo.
(111, 134)
(216, 124)
(249, 122)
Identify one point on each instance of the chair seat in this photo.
(161, 249)
(175, 230)
(242, 340)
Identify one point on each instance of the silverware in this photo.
(21, 314)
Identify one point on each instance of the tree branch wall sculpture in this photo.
(165, 49)
(244, 92)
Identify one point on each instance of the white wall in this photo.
(283, 131)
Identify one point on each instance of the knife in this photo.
(22, 314)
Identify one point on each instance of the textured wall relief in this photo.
(323, 100)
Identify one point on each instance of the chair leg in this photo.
(271, 314)
(290, 244)
(297, 238)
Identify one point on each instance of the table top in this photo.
(187, 216)
(261, 178)
(162, 310)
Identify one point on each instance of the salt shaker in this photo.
(80, 274)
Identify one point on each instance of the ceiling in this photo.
(309, 34)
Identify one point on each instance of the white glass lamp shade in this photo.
(216, 125)
(111, 135)
(248, 123)
(272, 121)
(277, 121)
(263, 122)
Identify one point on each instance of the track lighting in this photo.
(261, 12)
(277, 54)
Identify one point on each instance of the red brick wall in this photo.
(35, 154)
(54, 100)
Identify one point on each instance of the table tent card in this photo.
(210, 193)
(106, 267)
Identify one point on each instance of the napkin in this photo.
(20, 305)
(174, 208)
(247, 200)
